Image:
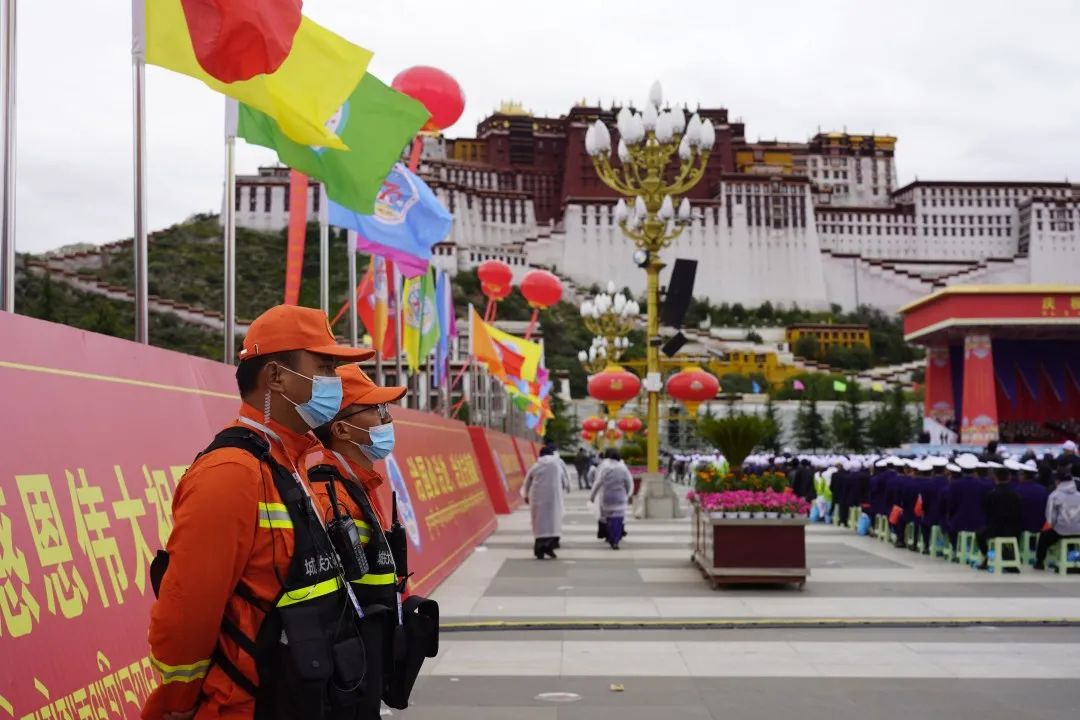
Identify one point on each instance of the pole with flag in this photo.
(398, 350)
(138, 86)
(229, 230)
(7, 222)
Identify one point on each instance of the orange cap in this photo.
(290, 327)
(359, 389)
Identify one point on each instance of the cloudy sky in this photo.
(974, 89)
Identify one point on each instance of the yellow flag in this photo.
(308, 88)
(520, 358)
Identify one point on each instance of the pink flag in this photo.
(798, 385)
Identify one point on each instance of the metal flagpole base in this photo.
(657, 498)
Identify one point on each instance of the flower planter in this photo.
(771, 515)
(750, 551)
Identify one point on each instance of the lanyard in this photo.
(311, 501)
(352, 476)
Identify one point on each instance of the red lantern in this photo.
(541, 288)
(496, 279)
(439, 93)
(692, 386)
(613, 434)
(593, 424)
(630, 425)
(588, 436)
(614, 387)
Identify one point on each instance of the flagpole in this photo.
(354, 323)
(324, 250)
(142, 314)
(7, 231)
(400, 377)
(229, 212)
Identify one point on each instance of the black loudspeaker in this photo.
(674, 344)
(679, 291)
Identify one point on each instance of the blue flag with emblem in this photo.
(407, 223)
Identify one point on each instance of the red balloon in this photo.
(439, 93)
(496, 279)
(236, 40)
(541, 288)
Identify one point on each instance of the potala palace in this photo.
(814, 223)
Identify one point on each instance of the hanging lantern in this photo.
(614, 387)
(630, 425)
(593, 424)
(613, 434)
(692, 386)
(436, 90)
(541, 288)
(496, 279)
(588, 436)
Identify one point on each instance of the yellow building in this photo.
(748, 363)
(829, 335)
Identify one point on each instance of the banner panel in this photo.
(96, 434)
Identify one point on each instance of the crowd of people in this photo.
(992, 495)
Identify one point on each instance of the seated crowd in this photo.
(988, 496)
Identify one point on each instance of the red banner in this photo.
(294, 249)
(96, 434)
(939, 389)
(979, 424)
(501, 466)
(442, 499)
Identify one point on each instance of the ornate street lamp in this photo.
(602, 353)
(648, 141)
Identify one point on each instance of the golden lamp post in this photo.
(648, 141)
(609, 316)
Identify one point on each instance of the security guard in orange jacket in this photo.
(253, 619)
(343, 479)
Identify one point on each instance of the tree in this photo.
(891, 424)
(807, 346)
(771, 441)
(810, 430)
(848, 423)
(560, 429)
(754, 337)
(736, 437)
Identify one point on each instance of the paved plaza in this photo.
(877, 632)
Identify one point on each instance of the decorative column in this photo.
(939, 389)
(980, 417)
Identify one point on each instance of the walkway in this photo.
(870, 636)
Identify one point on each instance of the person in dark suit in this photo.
(1003, 509)
(803, 482)
(1032, 496)
(964, 512)
(931, 493)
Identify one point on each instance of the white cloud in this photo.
(974, 90)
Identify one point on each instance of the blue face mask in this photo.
(382, 442)
(325, 399)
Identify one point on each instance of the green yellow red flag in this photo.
(307, 88)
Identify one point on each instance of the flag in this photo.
(444, 304)
(373, 305)
(755, 387)
(407, 222)
(239, 39)
(420, 322)
(798, 385)
(520, 358)
(309, 85)
(839, 386)
(481, 346)
(877, 387)
(376, 122)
